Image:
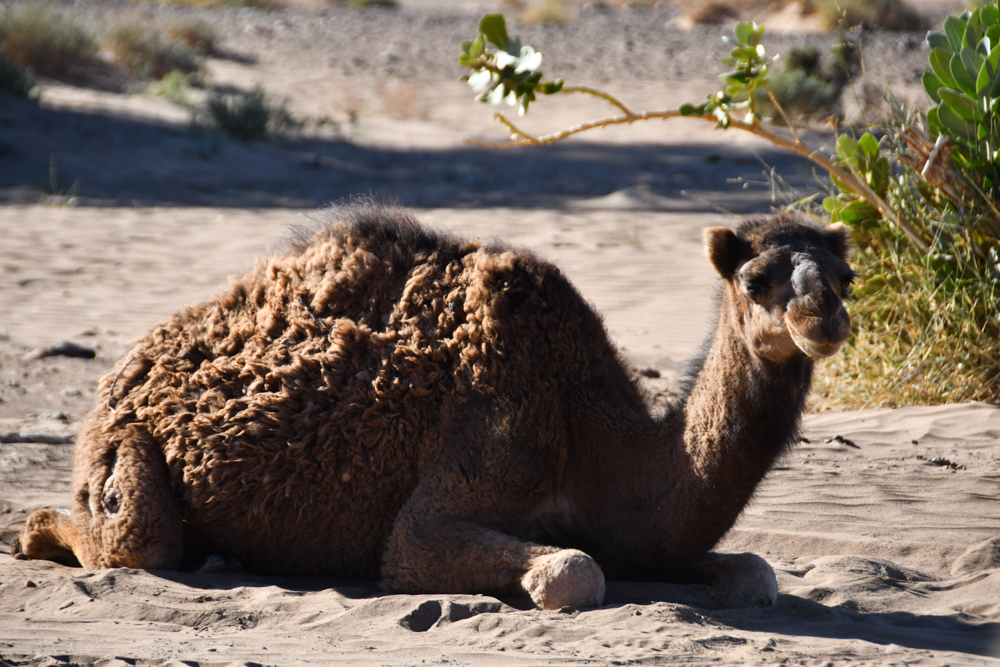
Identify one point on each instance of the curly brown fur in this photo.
(385, 401)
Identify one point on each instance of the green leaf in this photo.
(551, 87)
(847, 147)
(472, 51)
(954, 28)
(880, 177)
(744, 32)
(961, 104)
(934, 122)
(987, 77)
(964, 79)
(941, 64)
(954, 125)
(938, 40)
(758, 35)
(931, 85)
(973, 60)
(857, 212)
(745, 53)
(869, 146)
(494, 27)
(973, 30)
(990, 16)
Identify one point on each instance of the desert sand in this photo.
(882, 525)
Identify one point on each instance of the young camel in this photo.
(450, 416)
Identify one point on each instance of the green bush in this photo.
(811, 85)
(149, 52)
(248, 116)
(929, 318)
(34, 36)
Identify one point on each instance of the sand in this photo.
(882, 525)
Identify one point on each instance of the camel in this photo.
(449, 416)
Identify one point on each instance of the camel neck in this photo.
(742, 412)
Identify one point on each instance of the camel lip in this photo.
(815, 349)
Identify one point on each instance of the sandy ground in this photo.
(883, 526)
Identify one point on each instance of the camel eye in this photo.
(757, 288)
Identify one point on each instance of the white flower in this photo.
(504, 59)
(530, 60)
(482, 79)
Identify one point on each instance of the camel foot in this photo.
(567, 578)
(740, 580)
(45, 537)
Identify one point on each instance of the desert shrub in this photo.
(885, 14)
(930, 317)
(49, 43)
(149, 51)
(16, 81)
(248, 116)
(198, 35)
(811, 85)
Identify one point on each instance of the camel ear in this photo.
(724, 250)
(838, 240)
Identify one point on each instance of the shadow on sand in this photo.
(112, 160)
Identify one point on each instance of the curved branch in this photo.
(796, 145)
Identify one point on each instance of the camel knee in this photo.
(567, 578)
(47, 535)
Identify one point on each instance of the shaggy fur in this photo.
(384, 401)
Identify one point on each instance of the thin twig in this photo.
(796, 145)
(610, 99)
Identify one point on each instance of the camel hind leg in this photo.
(125, 515)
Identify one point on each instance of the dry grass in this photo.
(885, 14)
(149, 52)
(35, 36)
(547, 11)
(198, 35)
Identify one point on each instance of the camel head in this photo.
(787, 279)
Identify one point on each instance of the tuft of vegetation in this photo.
(16, 81)
(248, 116)
(34, 36)
(546, 11)
(886, 14)
(148, 51)
(196, 34)
(175, 86)
(923, 202)
(811, 85)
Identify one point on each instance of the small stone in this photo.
(649, 372)
(66, 605)
(30, 584)
(64, 349)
